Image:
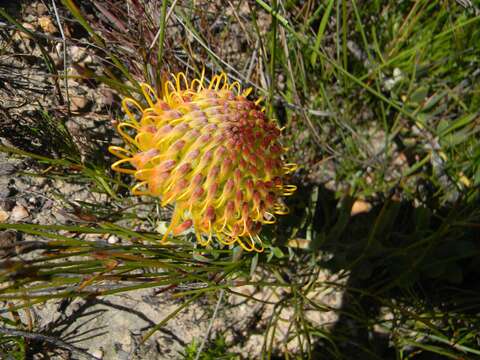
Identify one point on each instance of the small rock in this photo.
(88, 60)
(360, 206)
(397, 73)
(92, 237)
(98, 353)
(77, 53)
(4, 192)
(331, 185)
(7, 204)
(30, 18)
(3, 215)
(73, 83)
(29, 10)
(400, 160)
(7, 169)
(105, 99)
(78, 103)
(19, 213)
(22, 201)
(113, 239)
(27, 26)
(42, 9)
(73, 72)
(46, 24)
(57, 55)
(7, 239)
(60, 217)
(48, 204)
(299, 243)
(121, 354)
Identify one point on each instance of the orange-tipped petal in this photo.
(187, 224)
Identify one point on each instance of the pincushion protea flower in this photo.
(211, 153)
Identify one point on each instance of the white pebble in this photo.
(113, 239)
(19, 213)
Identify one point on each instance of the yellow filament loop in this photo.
(223, 77)
(119, 152)
(187, 191)
(217, 79)
(245, 229)
(212, 82)
(228, 231)
(242, 244)
(167, 138)
(177, 121)
(222, 240)
(166, 201)
(145, 140)
(136, 189)
(176, 218)
(184, 193)
(172, 196)
(149, 94)
(139, 173)
(199, 237)
(258, 216)
(247, 92)
(116, 167)
(200, 82)
(167, 188)
(280, 209)
(125, 103)
(178, 77)
(171, 92)
(253, 244)
(127, 137)
(152, 116)
(224, 224)
(173, 223)
(261, 244)
(150, 119)
(221, 200)
(272, 219)
(288, 190)
(210, 232)
(235, 86)
(207, 202)
(289, 168)
(176, 99)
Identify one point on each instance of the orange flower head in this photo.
(210, 152)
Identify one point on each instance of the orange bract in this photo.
(210, 152)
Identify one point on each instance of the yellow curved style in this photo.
(210, 152)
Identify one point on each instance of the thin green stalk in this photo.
(273, 57)
(161, 38)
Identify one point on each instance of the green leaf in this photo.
(277, 252)
(419, 95)
(321, 31)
